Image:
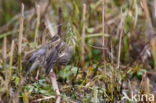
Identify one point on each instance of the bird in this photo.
(56, 51)
(48, 55)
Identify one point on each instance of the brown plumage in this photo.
(54, 52)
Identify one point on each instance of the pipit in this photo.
(54, 52)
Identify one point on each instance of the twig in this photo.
(83, 35)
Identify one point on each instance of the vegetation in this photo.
(113, 42)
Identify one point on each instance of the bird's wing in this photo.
(51, 60)
(35, 58)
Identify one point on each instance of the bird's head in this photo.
(65, 53)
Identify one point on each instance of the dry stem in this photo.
(37, 25)
(11, 59)
(83, 36)
(120, 39)
(5, 60)
(20, 31)
(103, 37)
(20, 39)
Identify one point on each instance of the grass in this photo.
(112, 51)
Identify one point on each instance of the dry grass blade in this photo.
(60, 22)
(119, 52)
(5, 61)
(8, 33)
(37, 31)
(11, 59)
(20, 39)
(20, 48)
(83, 35)
(5, 55)
(21, 31)
(5, 66)
(37, 25)
(45, 98)
(136, 13)
(103, 27)
(67, 99)
(121, 27)
(103, 37)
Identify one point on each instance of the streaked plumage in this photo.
(54, 52)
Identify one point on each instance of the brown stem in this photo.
(83, 35)
(55, 86)
(20, 39)
(60, 22)
(103, 37)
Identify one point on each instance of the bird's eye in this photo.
(60, 52)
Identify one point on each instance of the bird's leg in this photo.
(55, 86)
(37, 75)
